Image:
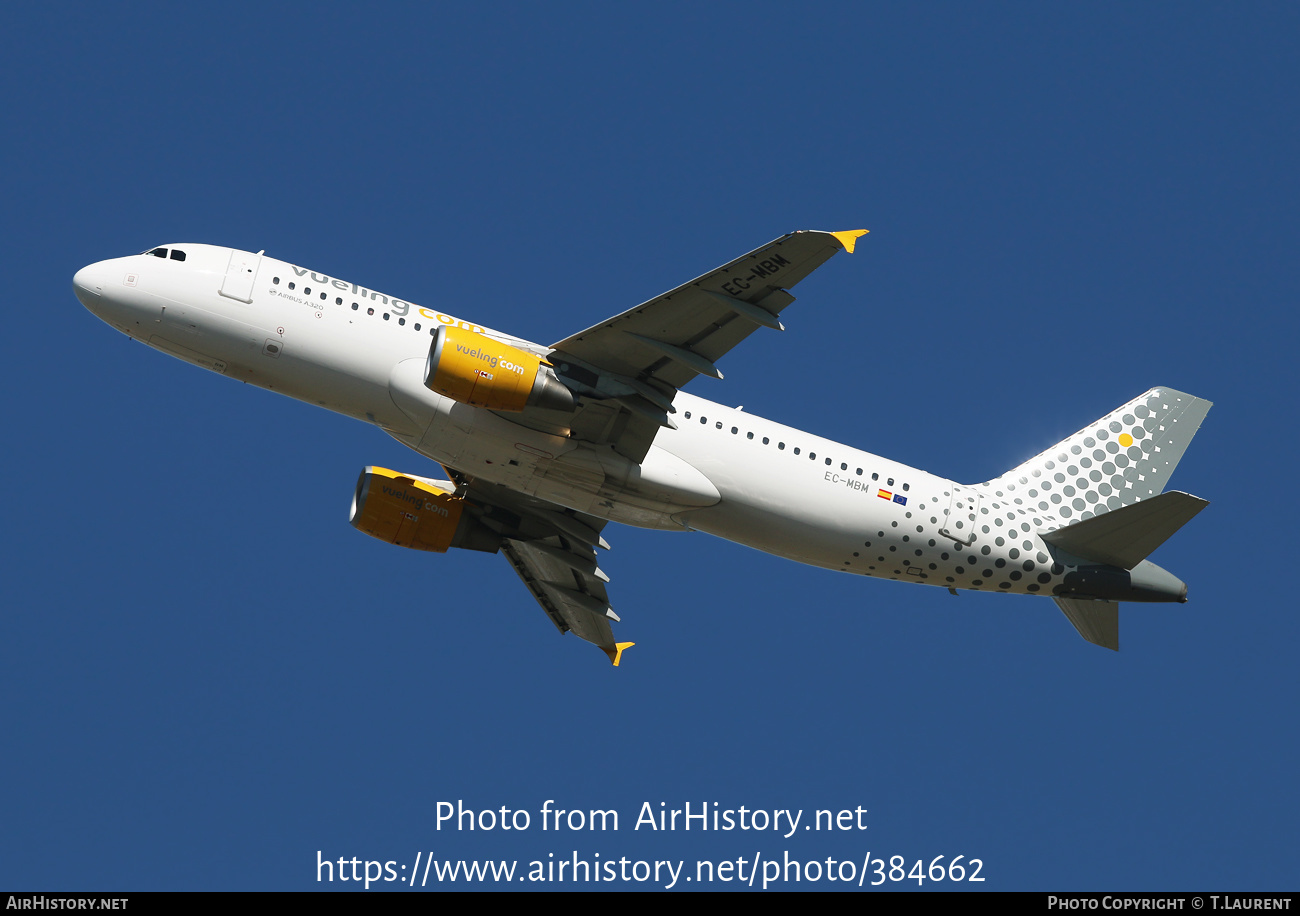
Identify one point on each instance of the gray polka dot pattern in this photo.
(1125, 457)
(987, 536)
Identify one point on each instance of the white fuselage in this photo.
(723, 471)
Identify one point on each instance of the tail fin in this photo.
(1123, 458)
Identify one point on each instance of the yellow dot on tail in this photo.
(1125, 440)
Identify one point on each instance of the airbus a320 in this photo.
(543, 446)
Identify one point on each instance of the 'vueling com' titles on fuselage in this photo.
(1041, 528)
(398, 307)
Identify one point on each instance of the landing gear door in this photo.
(963, 510)
(241, 274)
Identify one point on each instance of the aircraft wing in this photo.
(682, 333)
(554, 552)
(631, 366)
(570, 587)
(626, 372)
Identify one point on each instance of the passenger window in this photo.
(733, 430)
(291, 285)
(417, 325)
(370, 311)
(796, 451)
(781, 445)
(385, 316)
(766, 440)
(749, 435)
(306, 290)
(875, 476)
(355, 306)
(322, 297)
(338, 300)
(889, 482)
(688, 414)
(275, 280)
(718, 425)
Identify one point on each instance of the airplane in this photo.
(542, 446)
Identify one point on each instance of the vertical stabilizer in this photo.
(1123, 458)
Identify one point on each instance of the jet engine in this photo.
(415, 512)
(475, 369)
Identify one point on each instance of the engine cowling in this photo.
(475, 369)
(415, 512)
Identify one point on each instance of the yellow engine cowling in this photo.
(474, 369)
(412, 512)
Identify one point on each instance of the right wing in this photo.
(563, 576)
(554, 552)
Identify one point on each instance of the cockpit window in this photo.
(177, 254)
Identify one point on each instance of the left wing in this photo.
(682, 333)
(628, 369)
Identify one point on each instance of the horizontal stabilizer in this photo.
(1096, 621)
(1124, 537)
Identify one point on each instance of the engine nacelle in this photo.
(414, 512)
(475, 369)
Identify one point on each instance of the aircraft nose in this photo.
(88, 286)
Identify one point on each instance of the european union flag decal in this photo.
(901, 500)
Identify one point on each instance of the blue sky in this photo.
(210, 676)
